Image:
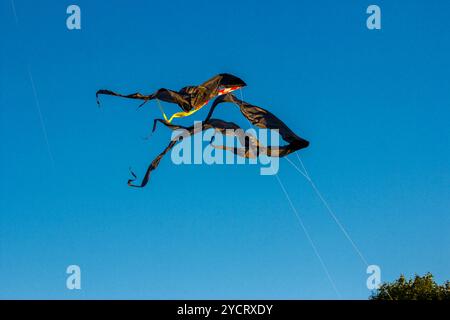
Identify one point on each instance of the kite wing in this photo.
(189, 99)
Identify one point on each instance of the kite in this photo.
(192, 98)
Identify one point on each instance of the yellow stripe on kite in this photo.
(183, 114)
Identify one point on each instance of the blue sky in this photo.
(375, 106)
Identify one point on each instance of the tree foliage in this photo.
(417, 288)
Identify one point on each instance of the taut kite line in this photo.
(192, 98)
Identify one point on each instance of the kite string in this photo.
(335, 217)
(311, 242)
(299, 219)
(242, 98)
(35, 95)
(304, 174)
(328, 207)
(161, 109)
(41, 118)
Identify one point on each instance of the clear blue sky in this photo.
(374, 104)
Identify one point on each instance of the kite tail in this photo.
(252, 147)
(187, 132)
(136, 95)
(151, 167)
(262, 118)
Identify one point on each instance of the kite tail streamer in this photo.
(262, 118)
(162, 94)
(136, 95)
(226, 128)
(152, 167)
